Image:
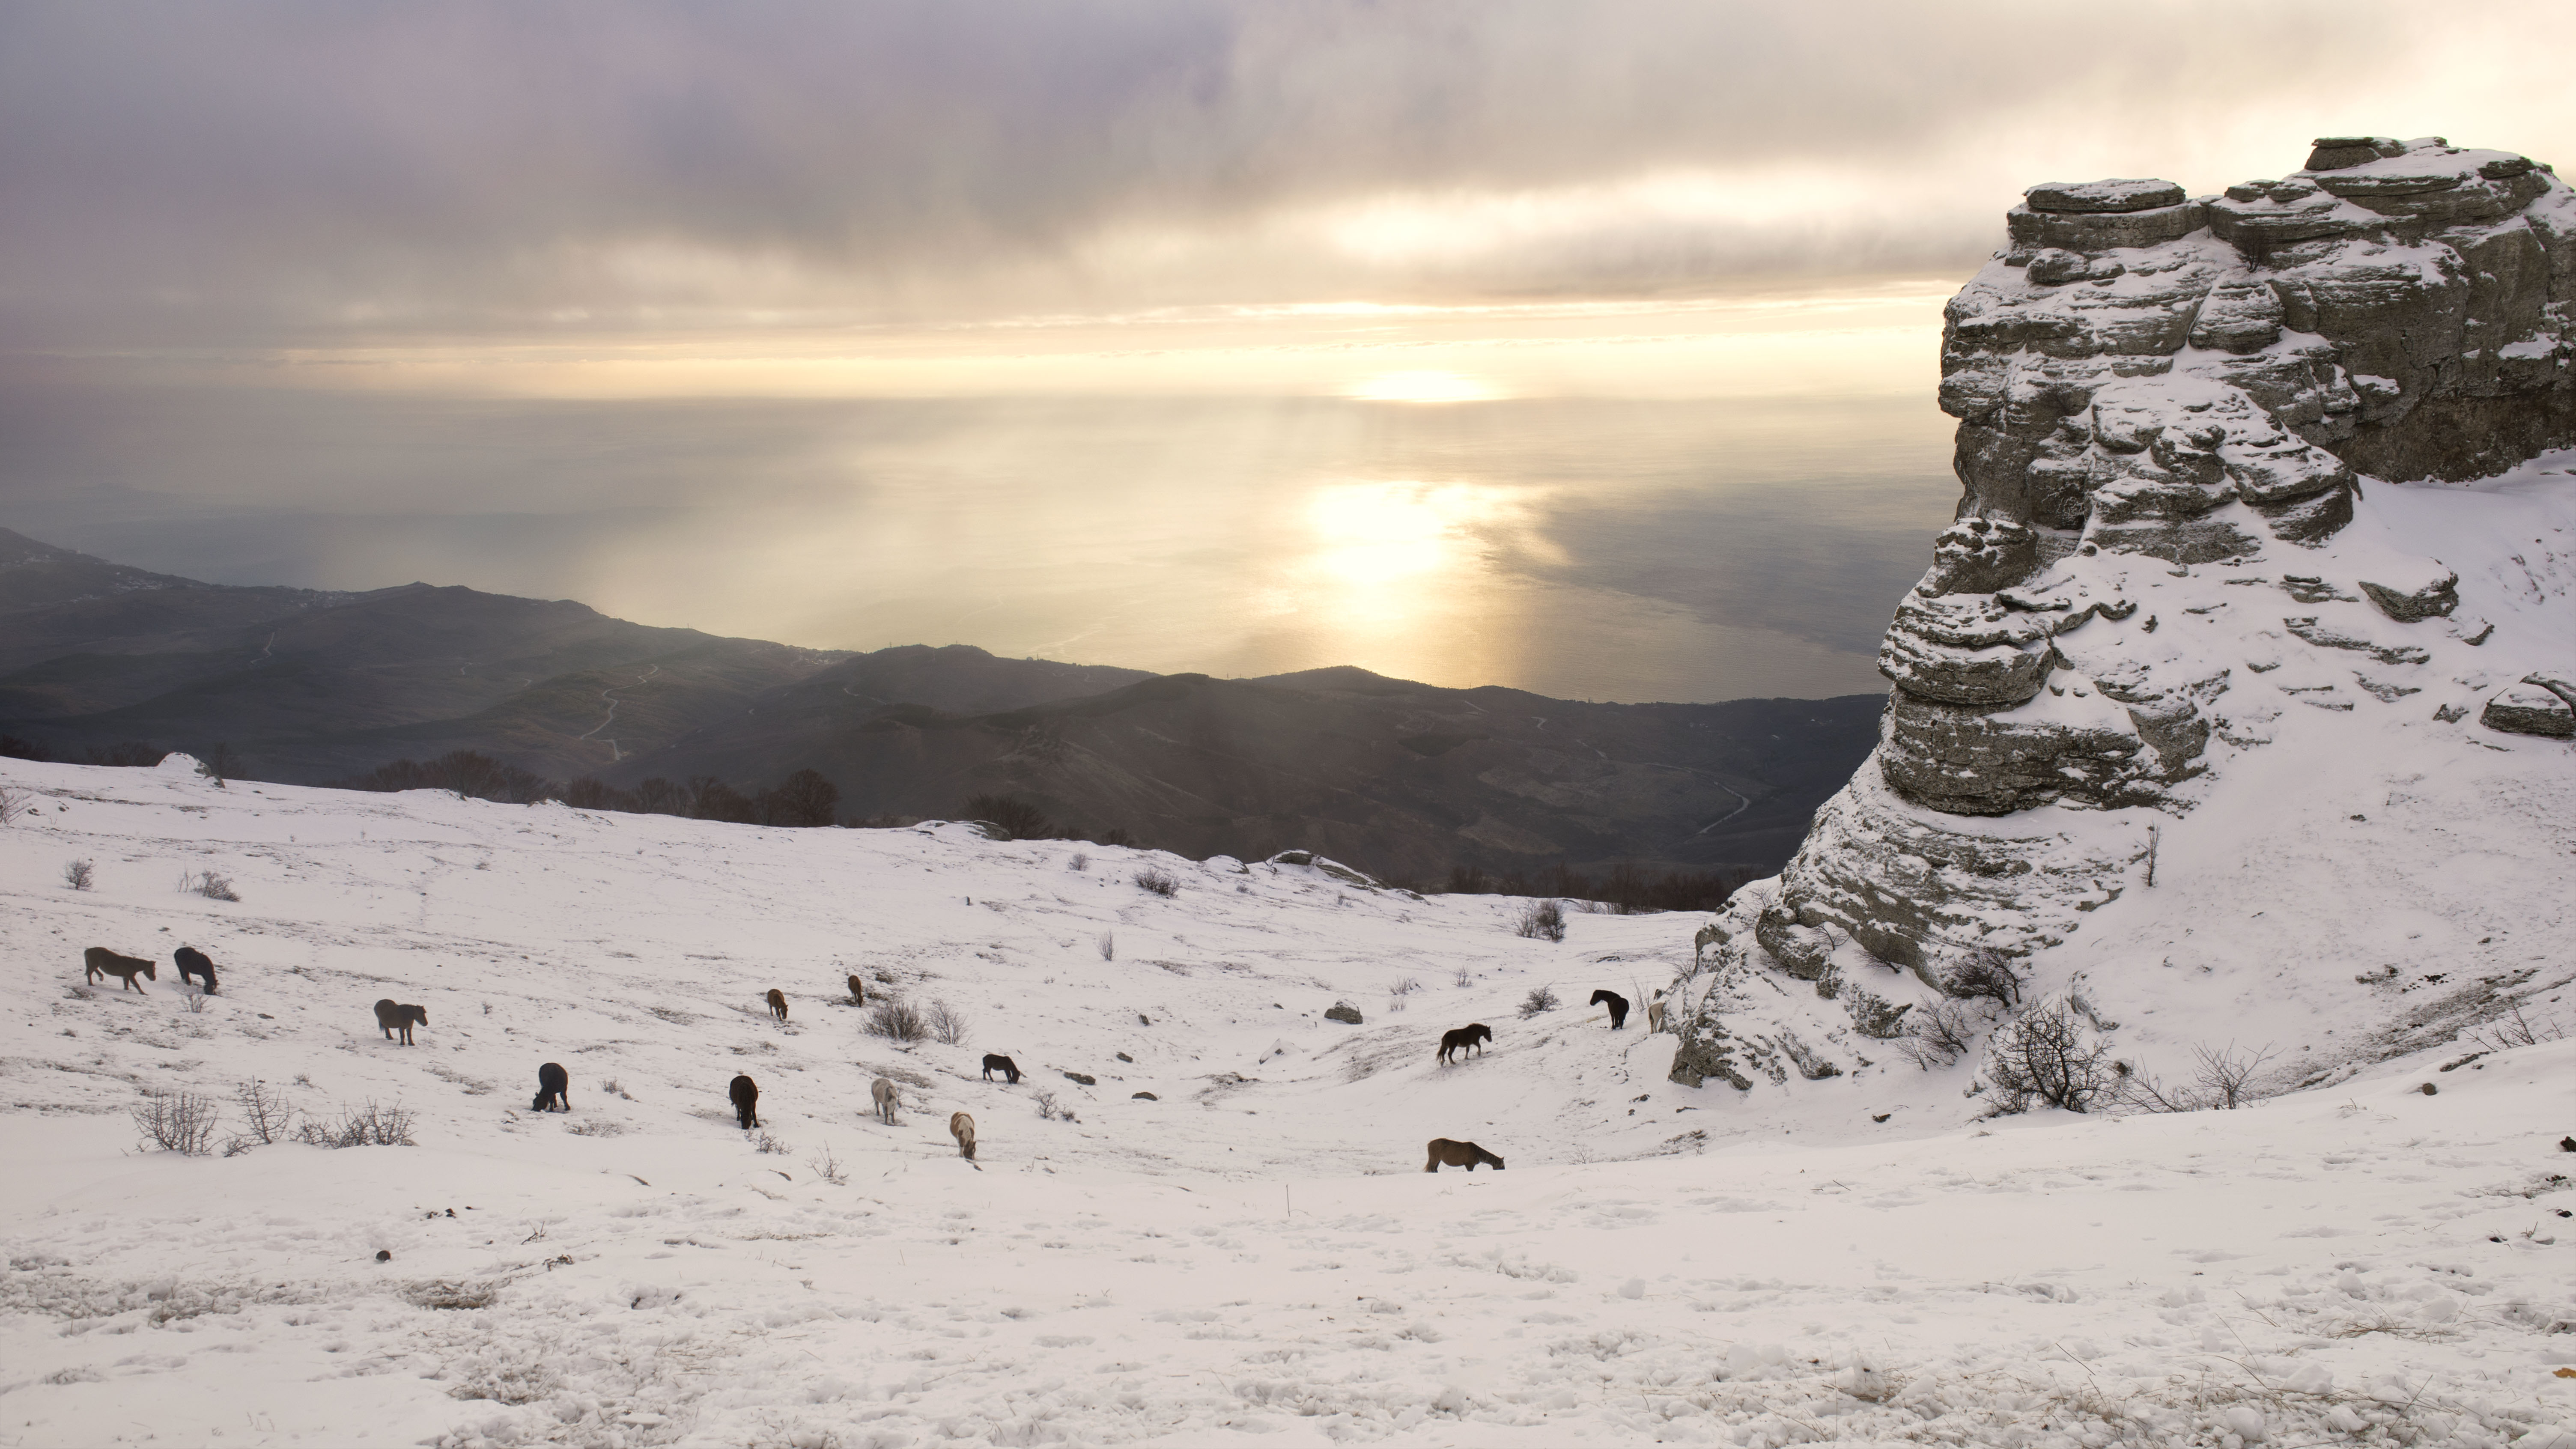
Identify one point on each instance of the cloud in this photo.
(244, 174)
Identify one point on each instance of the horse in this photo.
(1618, 1007)
(1002, 1064)
(858, 994)
(746, 1101)
(392, 1016)
(193, 962)
(104, 963)
(883, 1093)
(1458, 1154)
(1474, 1034)
(1654, 1016)
(778, 1003)
(552, 1083)
(962, 1127)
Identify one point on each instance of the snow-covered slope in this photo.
(1253, 1250)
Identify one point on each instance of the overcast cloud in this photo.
(247, 172)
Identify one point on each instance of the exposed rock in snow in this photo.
(2169, 409)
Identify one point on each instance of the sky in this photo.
(1583, 348)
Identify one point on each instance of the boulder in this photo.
(1343, 1011)
(2116, 195)
(2528, 709)
(2422, 598)
(1978, 556)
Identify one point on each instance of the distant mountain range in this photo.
(1406, 779)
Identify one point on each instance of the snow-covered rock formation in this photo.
(2281, 451)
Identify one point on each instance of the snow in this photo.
(1256, 1252)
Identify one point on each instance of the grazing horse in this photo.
(193, 962)
(778, 1003)
(1618, 1007)
(1474, 1034)
(393, 1016)
(104, 963)
(746, 1101)
(552, 1083)
(1002, 1064)
(858, 994)
(882, 1091)
(1458, 1154)
(962, 1127)
(1654, 1016)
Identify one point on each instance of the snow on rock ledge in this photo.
(2177, 422)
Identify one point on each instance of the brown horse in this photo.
(858, 994)
(1474, 1034)
(103, 963)
(1458, 1154)
(778, 1003)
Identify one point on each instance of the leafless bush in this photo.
(79, 874)
(368, 1126)
(2044, 1056)
(208, 884)
(768, 1144)
(193, 997)
(1986, 973)
(13, 803)
(1878, 1017)
(1941, 1034)
(177, 1122)
(2518, 1031)
(2222, 1078)
(1540, 920)
(948, 1024)
(1108, 946)
(1539, 999)
(1157, 882)
(265, 1110)
(1395, 994)
(1048, 1111)
(828, 1167)
(1464, 979)
(896, 1020)
(1080, 861)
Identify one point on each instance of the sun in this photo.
(1425, 387)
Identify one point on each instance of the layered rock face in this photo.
(2166, 407)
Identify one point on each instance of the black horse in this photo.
(746, 1101)
(193, 962)
(552, 1083)
(1618, 1007)
(1001, 1064)
(1475, 1034)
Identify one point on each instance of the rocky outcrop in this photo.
(2167, 407)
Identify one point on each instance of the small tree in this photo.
(1539, 999)
(13, 803)
(177, 1122)
(79, 875)
(1022, 820)
(220, 764)
(804, 799)
(948, 1024)
(897, 1020)
(1541, 921)
(2044, 1055)
(1988, 973)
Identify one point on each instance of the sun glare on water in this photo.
(1425, 387)
(1372, 535)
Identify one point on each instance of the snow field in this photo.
(1255, 1252)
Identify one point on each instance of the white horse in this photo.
(883, 1091)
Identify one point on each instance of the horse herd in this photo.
(396, 1020)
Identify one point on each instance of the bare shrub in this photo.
(265, 1110)
(1157, 882)
(948, 1024)
(1395, 994)
(1985, 972)
(2222, 1078)
(1464, 979)
(1540, 999)
(1940, 1034)
(1108, 946)
(80, 875)
(2044, 1056)
(208, 884)
(896, 1020)
(597, 1127)
(1081, 861)
(1050, 1111)
(193, 997)
(177, 1122)
(828, 1167)
(1876, 1016)
(2517, 1030)
(368, 1126)
(13, 803)
(1541, 920)
(771, 1145)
